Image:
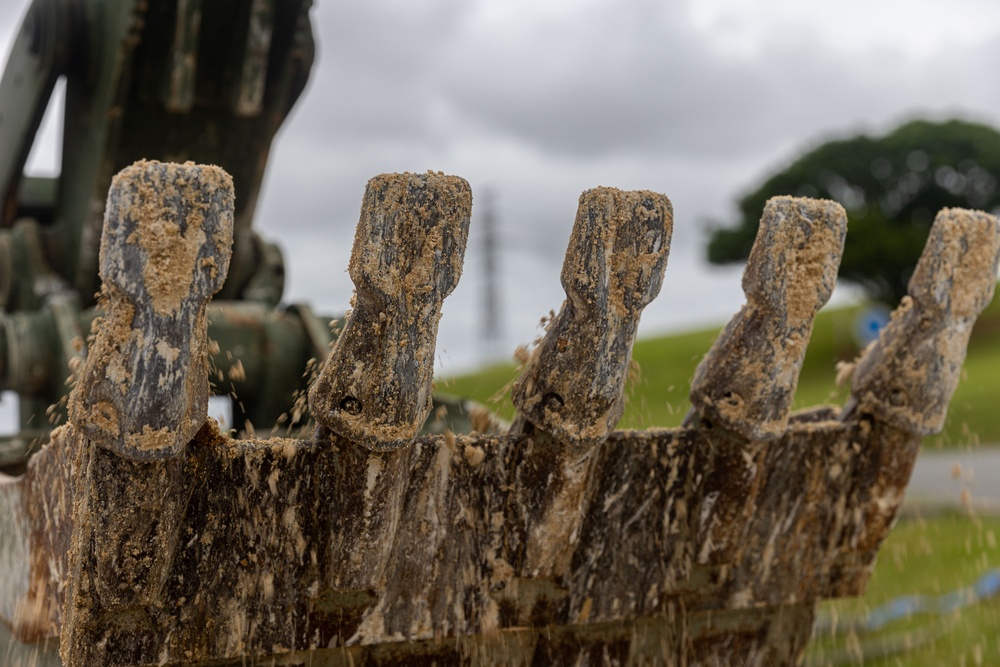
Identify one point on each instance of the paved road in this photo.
(957, 477)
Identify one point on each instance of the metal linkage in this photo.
(142, 536)
(170, 80)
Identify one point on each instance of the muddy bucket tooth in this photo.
(141, 535)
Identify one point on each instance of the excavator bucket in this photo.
(397, 527)
(142, 535)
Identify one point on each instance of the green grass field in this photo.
(657, 394)
(921, 557)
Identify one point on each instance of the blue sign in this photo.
(869, 323)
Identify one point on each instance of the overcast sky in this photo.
(537, 100)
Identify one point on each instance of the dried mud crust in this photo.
(796, 268)
(967, 242)
(284, 545)
(614, 266)
(407, 257)
(748, 379)
(618, 251)
(165, 251)
(167, 204)
(908, 375)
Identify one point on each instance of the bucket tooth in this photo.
(570, 392)
(743, 389)
(168, 233)
(908, 376)
(375, 387)
(573, 385)
(747, 381)
(904, 381)
(143, 393)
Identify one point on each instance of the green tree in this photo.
(891, 186)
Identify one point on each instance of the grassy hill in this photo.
(931, 557)
(657, 394)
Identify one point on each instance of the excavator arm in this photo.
(208, 81)
(38, 57)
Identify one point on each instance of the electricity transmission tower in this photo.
(492, 323)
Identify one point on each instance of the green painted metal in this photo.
(168, 80)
